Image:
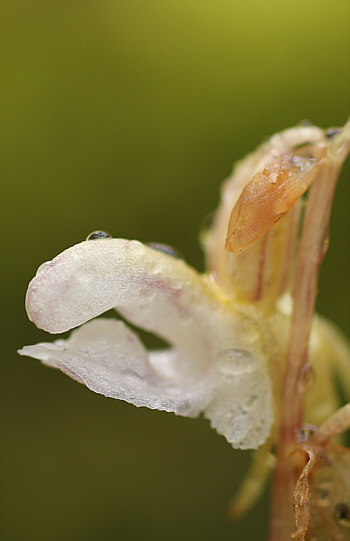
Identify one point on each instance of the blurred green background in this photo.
(125, 115)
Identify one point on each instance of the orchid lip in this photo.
(163, 295)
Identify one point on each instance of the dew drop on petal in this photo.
(166, 249)
(136, 246)
(305, 123)
(250, 330)
(332, 132)
(176, 284)
(233, 362)
(148, 293)
(96, 235)
(43, 266)
(155, 267)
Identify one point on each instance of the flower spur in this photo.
(227, 328)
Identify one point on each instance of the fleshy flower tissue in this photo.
(227, 328)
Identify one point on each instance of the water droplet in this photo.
(131, 374)
(307, 377)
(43, 266)
(176, 284)
(302, 162)
(96, 235)
(136, 246)
(166, 249)
(233, 362)
(205, 229)
(305, 433)
(249, 404)
(250, 329)
(306, 123)
(155, 267)
(332, 132)
(148, 293)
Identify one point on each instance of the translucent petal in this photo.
(219, 354)
(110, 359)
(241, 409)
(151, 289)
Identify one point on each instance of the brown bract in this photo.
(330, 496)
(322, 492)
(270, 194)
(322, 496)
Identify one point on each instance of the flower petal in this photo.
(151, 289)
(241, 409)
(167, 297)
(106, 356)
(110, 360)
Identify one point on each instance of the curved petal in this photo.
(157, 292)
(110, 360)
(163, 295)
(107, 357)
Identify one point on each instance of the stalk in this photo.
(313, 246)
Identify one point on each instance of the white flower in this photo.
(227, 330)
(215, 364)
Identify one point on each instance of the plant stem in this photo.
(313, 247)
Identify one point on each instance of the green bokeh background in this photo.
(125, 115)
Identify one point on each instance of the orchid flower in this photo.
(227, 328)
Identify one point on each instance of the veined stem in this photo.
(313, 246)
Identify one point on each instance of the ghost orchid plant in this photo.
(233, 331)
